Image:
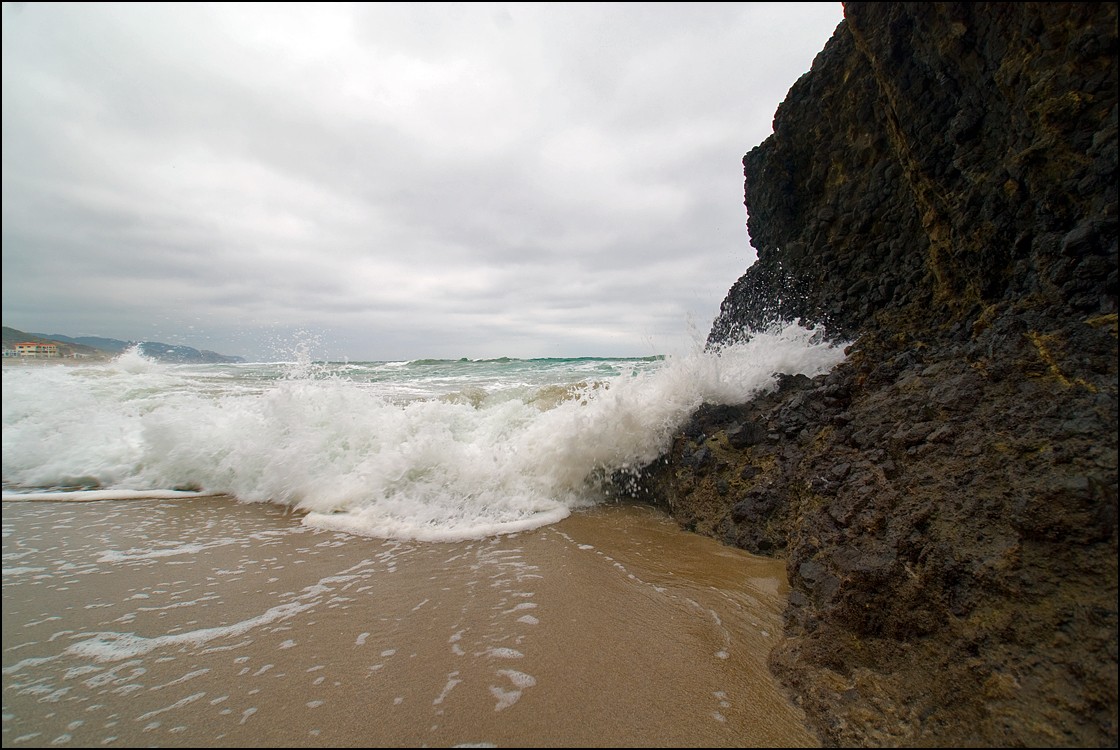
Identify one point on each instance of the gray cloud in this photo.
(391, 180)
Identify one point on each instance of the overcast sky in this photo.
(387, 181)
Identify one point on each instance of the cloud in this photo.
(400, 180)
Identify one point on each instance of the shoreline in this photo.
(42, 361)
(204, 621)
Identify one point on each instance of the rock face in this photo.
(940, 190)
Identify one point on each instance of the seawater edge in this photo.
(206, 621)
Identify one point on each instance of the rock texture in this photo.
(940, 190)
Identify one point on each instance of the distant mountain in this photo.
(65, 348)
(98, 347)
(183, 354)
(95, 342)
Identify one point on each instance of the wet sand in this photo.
(205, 622)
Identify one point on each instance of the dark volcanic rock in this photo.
(941, 190)
(941, 158)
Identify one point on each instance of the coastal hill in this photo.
(95, 347)
(940, 193)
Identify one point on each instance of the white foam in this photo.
(132, 555)
(505, 653)
(452, 681)
(85, 496)
(506, 697)
(19, 571)
(109, 646)
(180, 680)
(23, 664)
(346, 448)
(177, 704)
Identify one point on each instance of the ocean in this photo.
(412, 553)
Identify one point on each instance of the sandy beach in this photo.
(205, 622)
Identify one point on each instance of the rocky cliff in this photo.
(939, 190)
